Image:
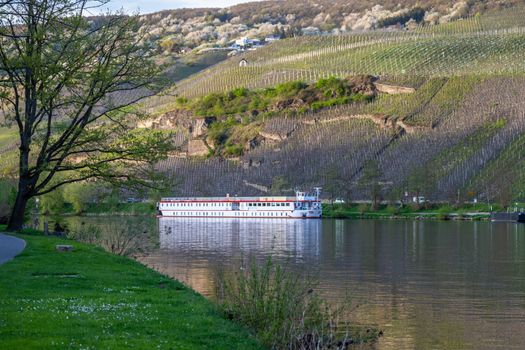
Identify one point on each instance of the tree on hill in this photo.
(69, 85)
(279, 185)
(420, 183)
(370, 182)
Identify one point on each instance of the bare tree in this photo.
(69, 84)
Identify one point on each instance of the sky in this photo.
(148, 6)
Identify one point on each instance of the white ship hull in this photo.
(296, 214)
(302, 206)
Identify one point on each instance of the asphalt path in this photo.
(10, 247)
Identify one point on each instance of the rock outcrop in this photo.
(393, 89)
(274, 136)
(363, 84)
(253, 143)
(200, 126)
(197, 148)
(170, 120)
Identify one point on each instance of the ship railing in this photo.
(231, 199)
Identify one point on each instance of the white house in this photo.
(272, 38)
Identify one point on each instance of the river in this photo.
(426, 284)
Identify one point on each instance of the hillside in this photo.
(454, 122)
(434, 110)
(174, 30)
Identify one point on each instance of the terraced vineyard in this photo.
(480, 45)
(454, 135)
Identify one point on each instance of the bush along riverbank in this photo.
(412, 212)
(90, 299)
(104, 209)
(284, 309)
(336, 211)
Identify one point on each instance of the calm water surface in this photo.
(428, 285)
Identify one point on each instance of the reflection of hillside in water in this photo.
(229, 236)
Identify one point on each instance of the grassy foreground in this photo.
(90, 299)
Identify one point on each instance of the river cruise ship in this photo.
(302, 206)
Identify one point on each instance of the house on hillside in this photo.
(310, 31)
(272, 38)
(245, 43)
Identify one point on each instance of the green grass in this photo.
(90, 299)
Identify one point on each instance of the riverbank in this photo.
(90, 299)
(333, 211)
(432, 212)
(103, 209)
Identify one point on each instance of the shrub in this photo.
(53, 202)
(393, 209)
(181, 100)
(444, 213)
(85, 233)
(363, 208)
(281, 307)
(220, 131)
(240, 92)
(333, 87)
(234, 150)
(289, 88)
(331, 102)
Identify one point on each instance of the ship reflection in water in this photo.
(278, 236)
(428, 285)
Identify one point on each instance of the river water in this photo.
(426, 284)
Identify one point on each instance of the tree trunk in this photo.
(16, 221)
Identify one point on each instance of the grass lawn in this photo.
(90, 299)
